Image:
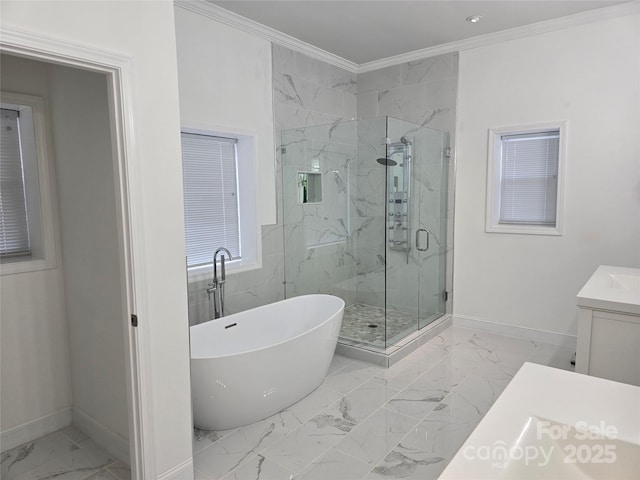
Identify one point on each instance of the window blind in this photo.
(14, 226)
(210, 183)
(529, 178)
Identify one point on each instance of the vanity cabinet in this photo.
(609, 325)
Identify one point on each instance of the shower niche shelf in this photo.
(309, 187)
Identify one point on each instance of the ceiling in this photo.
(370, 30)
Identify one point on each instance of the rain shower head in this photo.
(387, 162)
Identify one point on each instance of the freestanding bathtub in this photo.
(250, 365)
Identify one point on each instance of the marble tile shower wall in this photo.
(369, 221)
(306, 92)
(317, 235)
(402, 282)
(422, 92)
(414, 282)
(318, 100)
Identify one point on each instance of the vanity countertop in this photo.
(591, 426)
(612, 288)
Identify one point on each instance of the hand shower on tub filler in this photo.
(217, 285)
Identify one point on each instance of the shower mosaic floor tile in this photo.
(367, 423)
(67, 454)
(365, 324)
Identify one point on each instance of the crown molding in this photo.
(574, 20)
(222, 15)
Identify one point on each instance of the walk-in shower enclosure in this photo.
(365, 218)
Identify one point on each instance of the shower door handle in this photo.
(418, 239)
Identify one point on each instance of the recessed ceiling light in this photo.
(474, 18)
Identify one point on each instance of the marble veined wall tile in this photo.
(428, 69)
(440, 94)
(399, 100)
(323, 73)
(382, 79)
(421, 92)
(318, 134)
(432, 106)
(282, 59)
(367, 104)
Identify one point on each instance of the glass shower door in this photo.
(431, 228)
(402, 212)
(416, 212)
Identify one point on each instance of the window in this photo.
(26, 207)
(525, 180)
(219, 198)
(14, 227)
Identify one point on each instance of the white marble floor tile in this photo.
(220, 458)
(426, 356)
(451, 337)
(75, 465)
(198, 475)
(492, 368)
(338, 363)
(260, 435)
(240, 446)
(260, 468)
(401, 374)
(481, 391)
(377, 435)
(435, 437)
(75, 435)
(300, 447)
(363, 401)
(425, 451)
(307, 408)
(427, 391)
(204, 438)
(415, 467)
(102, 475)
(34, 454)
(335, 465)
(121, 470)
(492, 341)
(458, 410)
(350, 377)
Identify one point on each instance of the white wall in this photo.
(35, 354)
(590, 76)
(89, 233)
(225, 84)
(144, 31)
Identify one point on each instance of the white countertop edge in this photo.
(558, 395)
(598, 294)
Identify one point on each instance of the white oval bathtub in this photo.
(253, 364)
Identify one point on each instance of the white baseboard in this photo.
(112, 442)
(184, 471)
(37, 428)
(554, 338)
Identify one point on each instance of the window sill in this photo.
(25, 266)
(203, 272)
(524, 229)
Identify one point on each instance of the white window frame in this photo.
(250, 231)
(43, 256)
(494, 177)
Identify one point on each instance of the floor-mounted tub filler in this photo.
(250, 365)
